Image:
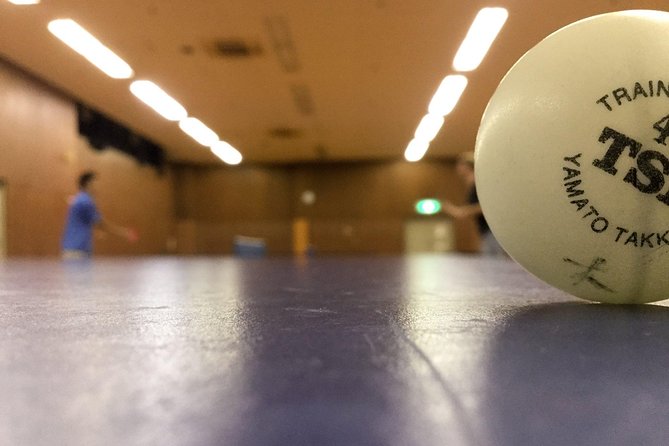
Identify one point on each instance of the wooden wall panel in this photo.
(358, 236)
(215, 204)
(217, 238)
(226, 194)
(41, 156)
(360, 208)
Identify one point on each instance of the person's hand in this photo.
(131, 235)
(452, 210)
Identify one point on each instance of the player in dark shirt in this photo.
(465, 170)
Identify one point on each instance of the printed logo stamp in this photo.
(641, 166)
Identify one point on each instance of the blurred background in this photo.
(313, 105)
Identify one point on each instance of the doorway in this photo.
(424, 235)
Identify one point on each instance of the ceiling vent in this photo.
(304, 102)
(285, 133)
(321, 151)
(233, 48)
(281, 38)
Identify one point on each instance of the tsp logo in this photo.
(648, 174)
(646, 177)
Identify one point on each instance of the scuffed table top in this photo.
(433, 350)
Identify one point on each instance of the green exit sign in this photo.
(428, 206)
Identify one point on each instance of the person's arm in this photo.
(111, 228)
(459, 212)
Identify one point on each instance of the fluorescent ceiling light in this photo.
(479, 38)
(84, 43)
(156, 98)
(416, 150)
(448, 94)
(429, 127)
(226, 153)
(198, 131)
(24, 2)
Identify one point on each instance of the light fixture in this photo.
(448, 94)
(226, 153)
(194, 128)
(156, 98)
(24, 2)
(479, 38)
(416, 150)
(429, 127)
(84, 43)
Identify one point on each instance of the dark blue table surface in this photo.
(434, 350)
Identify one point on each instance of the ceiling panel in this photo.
(340, 80)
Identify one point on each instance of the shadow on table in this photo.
(580, 374)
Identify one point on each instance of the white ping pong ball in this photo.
(572, 158)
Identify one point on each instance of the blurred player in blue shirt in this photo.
(83, 217)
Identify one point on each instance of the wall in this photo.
(359, 207)
(41, 155)
(213, 205)
(363, 208)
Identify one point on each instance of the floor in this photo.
(433, 350)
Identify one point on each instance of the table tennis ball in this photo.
(572, 158)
